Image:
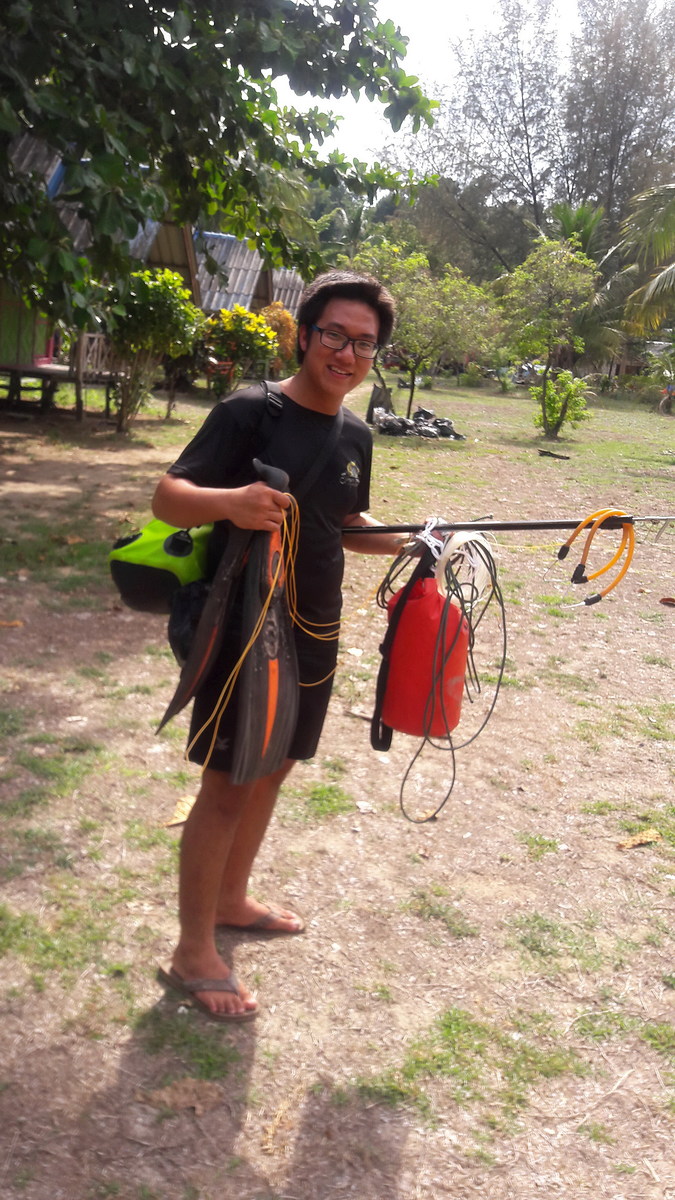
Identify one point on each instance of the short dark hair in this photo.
(346, 285)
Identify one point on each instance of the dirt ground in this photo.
(482, 1005)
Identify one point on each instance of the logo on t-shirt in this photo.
(351, 474)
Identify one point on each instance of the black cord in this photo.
(473, 608)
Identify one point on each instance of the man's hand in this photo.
(257, 506)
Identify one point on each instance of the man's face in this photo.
(335, 372)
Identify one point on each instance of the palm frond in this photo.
(662, 286)
(649, 231)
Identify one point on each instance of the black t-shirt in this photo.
(239, 429)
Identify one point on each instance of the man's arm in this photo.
(184, 504)
(371, 543)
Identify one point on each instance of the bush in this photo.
(564, 401)
(154, 318)
(286, 328)
(647, 391)
(473, 375)
(238, 338)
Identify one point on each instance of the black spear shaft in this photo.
(485, 526)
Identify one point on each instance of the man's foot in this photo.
(253, 917)
(212, 987)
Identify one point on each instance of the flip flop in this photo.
(265, 924)
(188, 987)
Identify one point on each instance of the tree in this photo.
(583, 224)
(598, 325)
(510, 109)
(445, 317)
(465, 226)
(493, 145)
(154, 111)
(343, 223)
(157, 319)
(540, 301)
(530, 119)
(619, 123)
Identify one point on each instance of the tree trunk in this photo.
(80, 346)
(544, 413)
(413, 377)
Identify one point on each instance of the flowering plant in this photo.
(239, 338)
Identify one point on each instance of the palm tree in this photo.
(583, 225)
(649, 234)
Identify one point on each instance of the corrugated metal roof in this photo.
(247, 282)
(163, 244)
(237, 276)
(32, 156)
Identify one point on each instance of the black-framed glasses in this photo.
(363, 348)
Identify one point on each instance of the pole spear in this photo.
(487, 525)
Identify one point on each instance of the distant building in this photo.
(26, 336)
(242, 278)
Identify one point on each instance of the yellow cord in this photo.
(626, 550)
(228, 687)
(289, 533)
(311, 628)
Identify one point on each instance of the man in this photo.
(343, 319)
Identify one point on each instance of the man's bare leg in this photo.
(235, 906)
(207, 841)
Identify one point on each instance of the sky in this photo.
(430, 26)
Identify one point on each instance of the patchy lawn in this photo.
(482, 1006)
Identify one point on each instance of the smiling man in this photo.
(343, 320)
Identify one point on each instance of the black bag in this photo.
(187, 604)
(150, 566)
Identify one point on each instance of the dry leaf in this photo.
(181, 812)
(72, 539)
(199, 1094)
(640, 839)
(11, 624)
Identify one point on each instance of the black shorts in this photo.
(316, 669)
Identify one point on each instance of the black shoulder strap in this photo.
(274, 397)
(273, 409)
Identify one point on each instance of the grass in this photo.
(555, 945)
(554, 606)
(661, 819)
(86, 875)
(201, 1051)
(596, 1132)
(54, 774)
(327, 800)
(599, 808)
(74, 938)
(62, 559)
(474, 1063)
(428, 906)
(27, 849)
(13, 721)
(538, 845)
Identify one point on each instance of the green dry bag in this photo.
(148, 567)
